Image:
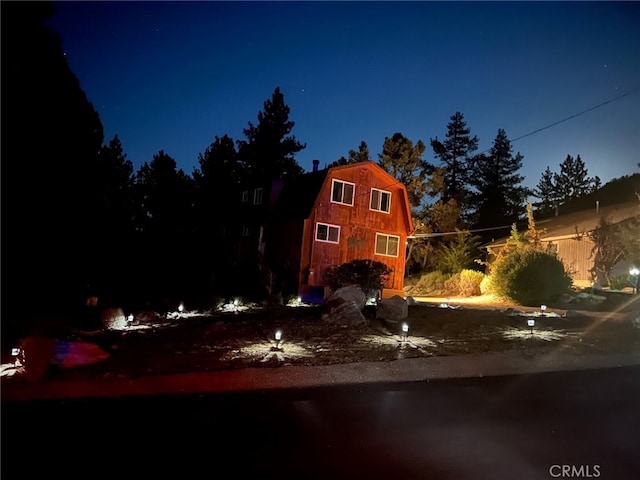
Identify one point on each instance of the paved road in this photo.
(529, 426)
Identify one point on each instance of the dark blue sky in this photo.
(172, 75)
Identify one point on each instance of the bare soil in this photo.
(194, 341)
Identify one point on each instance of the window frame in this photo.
(245, 196)
(334, 181)
(387, 237)
(329, 227)
(379, 206)
(257, 196)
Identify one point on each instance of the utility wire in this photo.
(577, 114)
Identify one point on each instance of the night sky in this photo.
(172, 75)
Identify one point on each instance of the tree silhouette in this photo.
(51, 135)
(454, 153)
(403, 160)
(498, 197)
(362, 155)
(269, 149)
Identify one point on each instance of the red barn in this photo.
(329, 217)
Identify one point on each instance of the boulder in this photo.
(393, 309)
(351, 292)
(412, 302)
(343, 311)
(113, 319)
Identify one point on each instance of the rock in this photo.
(412, 302)
(393, 309)
(146, 317)
(342, 311)
(113, 319)
(350, 292)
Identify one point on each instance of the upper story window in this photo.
(380, 200)
(245, 196)
(257, 196)
(327, 233)
(387, 245)
(342, 192)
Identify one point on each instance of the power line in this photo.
(576, 115)
(442, 234)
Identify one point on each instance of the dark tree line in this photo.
(80, 221)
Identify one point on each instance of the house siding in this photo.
(358, 225)
(575, 253)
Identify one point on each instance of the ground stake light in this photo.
(531, 322)
(278, 337)
(405, 331)
(543, 308)
(635, 273)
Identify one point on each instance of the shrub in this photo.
(431, 283)
(369, 275)
(452, 285)
(470, 281)
(530, 277)
(621, 282)
(486, 285)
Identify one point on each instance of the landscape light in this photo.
(278, 337)
(405, 331)
(531, 322)
(635, 272)
(543, 308)
(130, 318)
(181, 307)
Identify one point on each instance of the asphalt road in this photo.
(583, 424)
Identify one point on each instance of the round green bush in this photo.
(530, 277)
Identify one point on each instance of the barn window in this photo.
(342, 192)
(257, 196)
(380, 200)
(387, 245)
(327, 233)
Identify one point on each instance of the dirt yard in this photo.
(206, 341)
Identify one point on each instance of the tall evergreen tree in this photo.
(547, 193)
(270, 148)
(362, 155)
(455, 153)
(573, 180)
(403, 160)
(498, 196)
(165, 197)
(115, 178)
(218, 186)
(164, 219)
(51, 135)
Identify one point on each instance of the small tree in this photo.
(369, 275)
(607, 250)
(460, 254)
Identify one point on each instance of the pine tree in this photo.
(51, 135)
(404, 161)
(454, 153)
(573, 181)
(362, 155)
(547, 193)
(269, 149)
(498, 197)
(218, 181)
